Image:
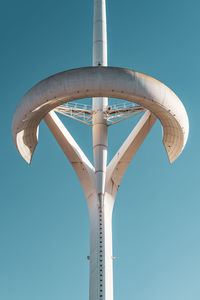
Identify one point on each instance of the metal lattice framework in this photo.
(113, 114)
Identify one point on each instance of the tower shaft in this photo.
(101, 259)
(100, 207)
(100, 103)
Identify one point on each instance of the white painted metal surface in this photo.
(100, 128)
(114, 113)
(120, 162)
(80, 163)
(116, 83)
(99, 47)
(100, 182)
(100, 81)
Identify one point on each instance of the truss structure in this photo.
(113, 113)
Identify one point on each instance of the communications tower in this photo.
(100, 181)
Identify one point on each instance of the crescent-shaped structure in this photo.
(101, 181)
(100, 82)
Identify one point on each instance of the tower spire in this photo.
(100, 45)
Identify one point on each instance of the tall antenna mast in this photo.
(100, 45)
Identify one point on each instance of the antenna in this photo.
(100, 128)
(100, 182)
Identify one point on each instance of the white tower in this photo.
(101, 181)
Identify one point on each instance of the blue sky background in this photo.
(44, 223)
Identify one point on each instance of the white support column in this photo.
(100, 208)
(100, 46)
(100, 139)
(120, 162)
(80, 163)
(101, 257)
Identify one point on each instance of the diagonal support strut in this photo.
(77, 158)
(121, 160)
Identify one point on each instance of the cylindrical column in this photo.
(100, 45)
(99, 104)
(101, 204)
(100, 144)
(101, 259)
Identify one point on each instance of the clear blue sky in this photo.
(44, 224)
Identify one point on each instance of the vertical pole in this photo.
(100, 129)
(99, 45)
(101, 259)
(100, 203)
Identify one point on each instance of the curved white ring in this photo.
(100, 82)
